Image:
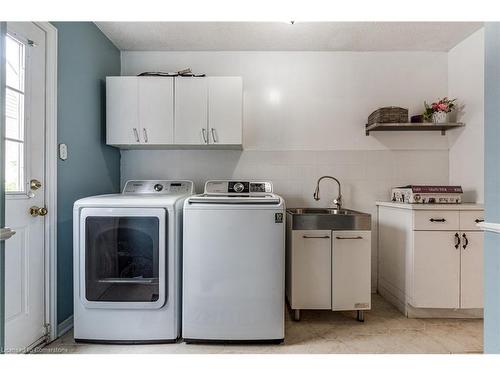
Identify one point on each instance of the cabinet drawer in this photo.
(470, 219)
(436, 220)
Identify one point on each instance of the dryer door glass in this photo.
(122, 258)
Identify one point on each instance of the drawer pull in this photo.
(457, 240)
(432, 220)
(479, 220)
(350, 238)
(309, 237)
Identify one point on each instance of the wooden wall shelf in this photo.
(408, 126)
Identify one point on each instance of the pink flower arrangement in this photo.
(444, 105)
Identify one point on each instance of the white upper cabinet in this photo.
(122, 111)
(225, 103)
(156, 110)
(191, 111)
(167, 111)
(139, 110)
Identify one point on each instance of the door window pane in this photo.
(14, 50)
(14, 166)
(122, 259)
(15, 123)
(14, 114)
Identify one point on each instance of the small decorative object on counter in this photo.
(427, 194)
(388, 115)
(417, 119)
(438, 112)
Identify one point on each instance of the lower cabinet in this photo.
(311, 261)
(351, 270)
(430, 259)
(448, 269)
(329, 270)
(471, 270)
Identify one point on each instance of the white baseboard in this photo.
(64, 326)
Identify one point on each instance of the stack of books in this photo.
(441, 194)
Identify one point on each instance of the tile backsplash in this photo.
(366, 176)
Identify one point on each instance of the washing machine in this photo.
(234, 264)
(127, 263)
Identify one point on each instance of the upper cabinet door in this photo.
(122, 112)
(156, 110)
(191, 117)
(225, 102)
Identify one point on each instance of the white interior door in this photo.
(24, 162)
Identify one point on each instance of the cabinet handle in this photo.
(145, 135)
(349, 238)
(204, 135)
(457, 240)
(136, 133)
(432, 220)
(479, 220)
(466, 241)
(304, 236)
(212, 131)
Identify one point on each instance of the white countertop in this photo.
(442, 207)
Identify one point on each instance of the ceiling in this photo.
(283, 36)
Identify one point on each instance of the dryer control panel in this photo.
(158, 187)
(238, 187)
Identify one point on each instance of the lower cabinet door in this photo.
(436, 269)
(311, 269)
(351, 270)
(471, 295)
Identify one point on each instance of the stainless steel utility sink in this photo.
(327, 219)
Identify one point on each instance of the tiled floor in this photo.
(385, 330)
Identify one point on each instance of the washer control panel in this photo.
(158, 187)
(238, 187)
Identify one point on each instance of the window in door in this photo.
(15, 168)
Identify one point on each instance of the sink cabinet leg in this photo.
(296, 315)
(361, 316)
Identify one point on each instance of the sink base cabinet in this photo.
(351, 270)
(431, 261)
(328, 270)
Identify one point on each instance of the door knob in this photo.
(35, 184)
(38, 211)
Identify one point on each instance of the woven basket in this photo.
(388, 115)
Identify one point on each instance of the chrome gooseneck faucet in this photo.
(337, 201)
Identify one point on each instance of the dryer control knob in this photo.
(158, 187)
(238, 187)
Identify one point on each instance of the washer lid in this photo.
(235, 199)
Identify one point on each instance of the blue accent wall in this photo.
(492, 187)
(85, 58)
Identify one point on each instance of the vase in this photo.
(439, 117)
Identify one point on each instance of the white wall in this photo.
(304, 116)
(466, 82)
(317, 100)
